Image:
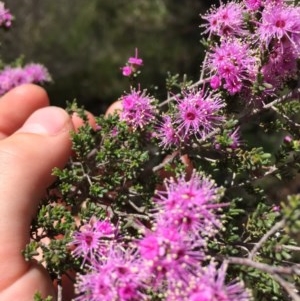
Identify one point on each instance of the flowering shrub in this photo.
(168, 200)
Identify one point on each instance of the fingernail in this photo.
(46, 121)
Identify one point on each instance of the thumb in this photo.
(26, 161)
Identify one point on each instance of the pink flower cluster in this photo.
(5, 16)
(185, 215)
(132, 65)
(208, 285)
(137, 109)
(233, 64)
(255, 5)
(227, 20)
(263, 45)
(117, 277)
(114, 271)
(197, 113)
(188, 206)
(93, 239)
(168, 260)
(280, 23)
(12, 77)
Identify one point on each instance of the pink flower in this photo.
(135, 60)
(167, 255)
(209, 285)
(198, 114)
(12, 77)
(105, 228)
(86, 243)
(287, 139)
(126, 70)
(280, 23)
(37, 73)
(189, 207)
(138, 110)
(132, 65)
(214, 279)
(234, 63)
(5, 16)
(281, 64)
(215, 82)
(116, 277)
(93, 239)
(253, 5)
(225, 20)
(235, 138)
(114, 132)
(166, 133)
(276, 208)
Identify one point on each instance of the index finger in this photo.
(18, 104)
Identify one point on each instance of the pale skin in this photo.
(34, 138)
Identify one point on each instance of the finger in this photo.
(17, 105)
(114, 108)
(78, 121)
(26, 162)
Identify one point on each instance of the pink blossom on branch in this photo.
(253, 5)
(138, 109)
(126, 70)
(281, 65)
(166, 133)
(215, 82)
(132, 65)
(189, 207)
(12, 77)
(233, 63)
(168, 256)
(5, 16)
(37, 73)
(280, 23)
(198, 113)
(208, 284)
(93, 240)
(135, 60)
(118, 276)
(226, 20)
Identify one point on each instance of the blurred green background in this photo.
(84, 44)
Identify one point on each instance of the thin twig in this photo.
(133, 215)
(292, 94)
(165, 162)
(175, 96)
(285, 117)
(266, 236)
(273, 271)
(284, 270)
(291, 248)
(204, 61)
(282, 99)
(289, 288)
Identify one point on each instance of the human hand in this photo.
(34, 138)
